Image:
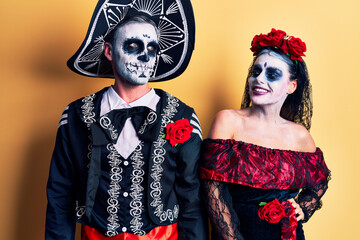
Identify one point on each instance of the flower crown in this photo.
(290, 45)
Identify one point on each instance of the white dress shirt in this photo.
(128, 139)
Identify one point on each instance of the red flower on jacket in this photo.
(178, 132)
(272, 212)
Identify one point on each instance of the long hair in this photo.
(298, 105)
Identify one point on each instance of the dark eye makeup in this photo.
(136, 46)
(256, 71)
(152, 48)
(271, 73)
(133, 46)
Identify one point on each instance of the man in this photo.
(125, 163)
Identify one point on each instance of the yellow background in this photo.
(37, 37)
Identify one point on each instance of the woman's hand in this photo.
(299, 212)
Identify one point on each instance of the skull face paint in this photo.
(134, 52)
(269, 82)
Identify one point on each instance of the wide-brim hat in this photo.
(175, 21)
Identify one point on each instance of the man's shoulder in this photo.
(182, 110)
(84, 107)
(175, 100)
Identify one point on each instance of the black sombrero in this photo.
(174, 18)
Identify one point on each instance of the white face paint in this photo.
(269, 81)
(134, 52)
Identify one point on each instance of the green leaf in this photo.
(176, 145)
(163, 136)
(262, 204)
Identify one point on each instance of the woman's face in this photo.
(269, 81)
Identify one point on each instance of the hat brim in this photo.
(175, 21)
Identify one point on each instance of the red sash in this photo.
(160, 233)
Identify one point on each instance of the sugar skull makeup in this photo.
(269, 80)
(134, 52)
(272, 74)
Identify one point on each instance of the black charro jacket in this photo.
(173, 188)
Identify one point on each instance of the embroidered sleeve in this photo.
(309, 198)
(194, 121)
(223, 218)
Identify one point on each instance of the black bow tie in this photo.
(108, 127)
(107, 130)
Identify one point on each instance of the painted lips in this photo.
(259, 91)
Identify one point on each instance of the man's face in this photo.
(134, 52)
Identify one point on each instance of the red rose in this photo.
(255, 44)
(273, 38)
(296, 48)
(272, 212)
(178, 132)
(284, 47)
(279, 34)
(278, 39)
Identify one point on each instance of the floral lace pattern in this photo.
(224, 221)
(309, 198)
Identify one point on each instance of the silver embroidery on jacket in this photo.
(80, 210)
(87, 110)
(105, 123)
(114, 191)
(150, 119)
(158, 158)
(137, 178)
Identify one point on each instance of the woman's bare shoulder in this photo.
(303, 139)
(223, 126)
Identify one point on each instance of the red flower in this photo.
(278, 39)
(178, 132)
(284, 47)
(255, 44)
(296, 48)
(273, 38)
(272, 212)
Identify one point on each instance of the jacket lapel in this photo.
(166, 109)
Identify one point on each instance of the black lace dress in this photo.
(240, 178)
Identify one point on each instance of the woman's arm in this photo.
(224, 220)
(309, 199)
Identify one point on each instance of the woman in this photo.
(262, 173)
